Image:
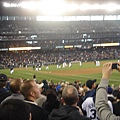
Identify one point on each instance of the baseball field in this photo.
(88, 70)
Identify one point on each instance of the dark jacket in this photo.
(116, 108)
(49, 106)
(3, 94)
(91, 93)
(38, 113)
(66, 113)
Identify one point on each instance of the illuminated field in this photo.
(87, 71)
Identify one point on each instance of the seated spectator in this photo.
(15, 109)
(15, 89)
(31, 92)
(101, 104)
(69, 110)
(51, 102)
(3, 91)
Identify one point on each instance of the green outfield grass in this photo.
(67, 74)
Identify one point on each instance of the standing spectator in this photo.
(69, 110)
(51, 101)
(31, 92)
(15, 109)
(101, 104)
(3, 91)
(110, 94)
(116, 105)
(15, 90)
(91, 89)
(42, 97)
(89, 107)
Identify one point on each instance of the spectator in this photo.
(3, 92)
(15, 109)
(89, 107)
(103, 109)
(51, 102)
(42, 97)
(91, 89)
(31, 92)
(15, 89)
(79, 95)
(110, 94)
(116, 105)
(69, 111)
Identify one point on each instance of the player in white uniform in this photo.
(70, 64)
(11, 69)
(89, 107)
(80, 63)
(47, 67)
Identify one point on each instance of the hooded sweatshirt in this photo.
(66, 113)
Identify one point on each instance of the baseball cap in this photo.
(89, 83)
(3, 78)
(109, 90)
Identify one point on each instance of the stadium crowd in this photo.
(57, 56)
(44, 100)
(33, 26)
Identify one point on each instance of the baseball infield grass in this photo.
(88, 70)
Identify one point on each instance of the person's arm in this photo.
(101, 101)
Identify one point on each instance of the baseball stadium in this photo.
(35, 36)
(59, 59)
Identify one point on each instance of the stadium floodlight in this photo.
(109, 7)
(87, 6)
(29, 5)
(58, 7)
(112, 7)
(6, 4)
(84, 6)
(72, 7)
(94, 7)
(52, 7)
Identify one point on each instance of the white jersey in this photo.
(89, 106)
(80, 63)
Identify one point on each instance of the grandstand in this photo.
(46, 45)
(80, 28)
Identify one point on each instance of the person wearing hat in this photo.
(90, 84)
(3, 92)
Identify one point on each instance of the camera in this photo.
(115, 65)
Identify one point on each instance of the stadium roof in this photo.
(18, 10)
